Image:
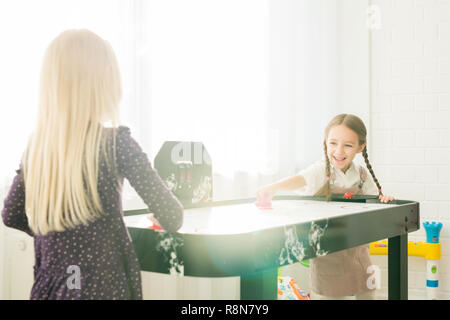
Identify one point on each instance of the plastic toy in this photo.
(433, 257)
(155, 227)
(430, 250)
(264, 203)
(288, 289)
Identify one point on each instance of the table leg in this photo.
(398, 268)
(260, 286)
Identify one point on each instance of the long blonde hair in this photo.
(357, 125)
(80, 90)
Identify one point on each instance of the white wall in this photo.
(411, 119)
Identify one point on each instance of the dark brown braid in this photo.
(369, 167)
(326, 189)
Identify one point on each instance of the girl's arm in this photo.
(13, 213)
(134, 165)
(287, 184)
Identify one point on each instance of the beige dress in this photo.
(344, 272)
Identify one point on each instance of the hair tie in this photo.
(328, 178)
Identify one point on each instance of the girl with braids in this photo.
(342, 273)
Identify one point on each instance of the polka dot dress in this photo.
(97, 261)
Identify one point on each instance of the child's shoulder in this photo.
(118, 132)
(123, 130)
(119, 136)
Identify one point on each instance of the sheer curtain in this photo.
(26, 29)
(256, 81)
(207, 79)
(331, 70)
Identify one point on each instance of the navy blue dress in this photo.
(101, 253)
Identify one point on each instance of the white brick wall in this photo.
(411, 120)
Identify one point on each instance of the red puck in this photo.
(348, 195)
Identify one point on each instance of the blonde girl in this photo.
(343, 273)
(67, 192)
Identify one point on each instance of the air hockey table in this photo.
(235, 238)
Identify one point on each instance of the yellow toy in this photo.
(430, 250)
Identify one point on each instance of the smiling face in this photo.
(342, 146)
